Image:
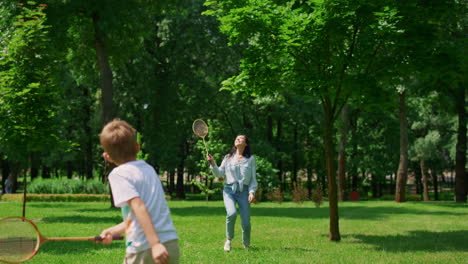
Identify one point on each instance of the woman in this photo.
(240, 186)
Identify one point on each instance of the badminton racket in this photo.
(20, 239)
(200, 129)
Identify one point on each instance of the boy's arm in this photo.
(160, 254)
(112, 231)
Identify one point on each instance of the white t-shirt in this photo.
(139, 179)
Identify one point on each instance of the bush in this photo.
(317, 195)
(56, 197)
(266, 177)
(413, 197)
(276, 195)
(300, 193)
(63, 186)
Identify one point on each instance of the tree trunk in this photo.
(88, 143)
(269, 129)
(417, 175)
(25, 191)
(342, 155)
(461, 177)
(180, 192)
(331, 175)
(374, 185)
(45, 172)
(280, 162)
(309, 182)
(105, 72)
(442, 176)
(5, 172)
(400, 192)
(392, 183)
(13, 177)
(171, 181)
(108, 167)
(35, 164)
(424, 181)
(353, 169)
(295, 158)
(435, 184)
(69, 169)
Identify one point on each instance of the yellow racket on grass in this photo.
(20, 239)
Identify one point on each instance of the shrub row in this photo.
(63, 186)
(18, 197)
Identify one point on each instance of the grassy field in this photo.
(372, 232)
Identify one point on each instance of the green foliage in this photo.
(266, 175)
(141, 155)
(205, 189)
(28, 95)
(274, 61)
(217, 149)
(62, 186)
(426, 147)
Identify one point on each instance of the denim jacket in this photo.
(237, 173)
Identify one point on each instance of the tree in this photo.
(437, 58)
(318, 49)
(29, 98)
(402, 173)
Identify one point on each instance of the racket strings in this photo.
(18, 240)
(200, 128)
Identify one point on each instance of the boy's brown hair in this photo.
(118, 139)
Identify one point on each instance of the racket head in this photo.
(200, 128)
(19, 239)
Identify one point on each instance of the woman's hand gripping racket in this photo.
(20, 239)
(200, 129)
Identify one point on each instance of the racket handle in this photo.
(99, 238)
(205, 146)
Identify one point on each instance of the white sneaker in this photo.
(227, 245)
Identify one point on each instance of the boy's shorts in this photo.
(145, 256)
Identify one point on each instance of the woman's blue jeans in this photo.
(242, 199)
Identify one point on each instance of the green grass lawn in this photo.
(372, 232)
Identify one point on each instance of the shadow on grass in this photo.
(350, 212)
(98, 210)
(52, 205)
(257, 211)
(418, 241)
(268, 249)
(447, 205)
(79, 247)
(79, 219)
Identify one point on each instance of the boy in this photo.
(136, 188)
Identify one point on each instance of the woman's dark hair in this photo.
(246, 152)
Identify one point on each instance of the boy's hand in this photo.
(160, 254)
(106, 237)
